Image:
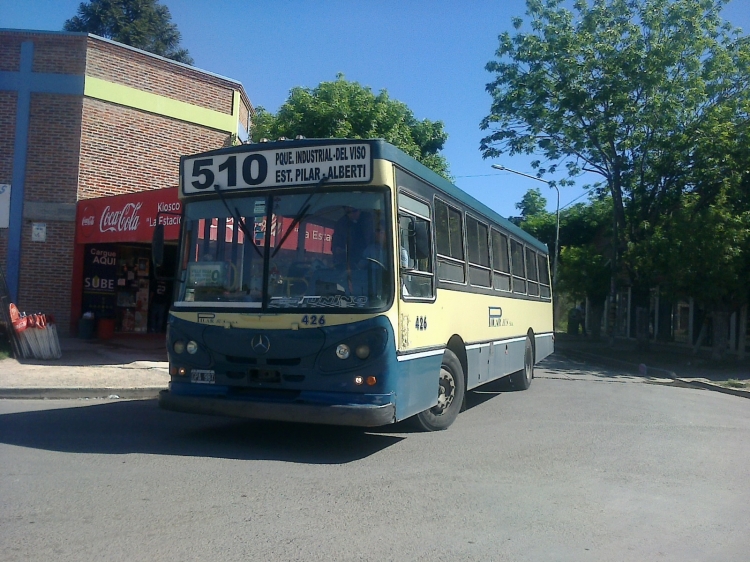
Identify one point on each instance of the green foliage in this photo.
(533, 203)
(702, 252)
(343, 109)
(144, 24)
(584, 272)
(5, 348)
(620, 88)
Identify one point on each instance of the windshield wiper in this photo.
(300, 215)
(238, 218)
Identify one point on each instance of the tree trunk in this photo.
(721, 332)
(618, 227)
(641, 328)
(701, 335)
(743, 331)
(596, 311)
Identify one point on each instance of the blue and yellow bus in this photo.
(342, 282)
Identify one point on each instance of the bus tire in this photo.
(451, 390)
(522, 379)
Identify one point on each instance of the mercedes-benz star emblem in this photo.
(260, 343)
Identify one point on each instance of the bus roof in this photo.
(384, 150)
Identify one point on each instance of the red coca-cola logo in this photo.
(124, 220)
(88, 221)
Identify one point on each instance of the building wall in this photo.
(7, 138)
(138, 70)
(52, 156)
(46, 270)
(88, 145)
(52, 129)
(50, 198)
(59, 53)
(124, 150)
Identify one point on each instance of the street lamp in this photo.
(557, 213)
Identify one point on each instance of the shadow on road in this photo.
(139, 426)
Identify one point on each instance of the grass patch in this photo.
(5, 350)
(734, 383)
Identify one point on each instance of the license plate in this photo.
(203, 376)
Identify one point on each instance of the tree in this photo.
(533, 203)
(623, 89)
(585, 249)
(343, 109)
(703, 250)
(144, 24)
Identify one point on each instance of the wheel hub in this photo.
(446, 392)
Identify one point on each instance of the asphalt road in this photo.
(585, 465)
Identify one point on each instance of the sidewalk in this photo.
(126, 366)
(662, 360)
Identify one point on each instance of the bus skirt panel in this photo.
(379, 411)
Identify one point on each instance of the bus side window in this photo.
(405, 227)
(500, 261)
(477, 242)
(531, 273)
(415, 246)
(544, 287)
(450, 243)
(517, 265)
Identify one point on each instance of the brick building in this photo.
(88, 126)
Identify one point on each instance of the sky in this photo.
(429, 55)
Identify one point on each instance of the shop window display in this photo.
(132, 290)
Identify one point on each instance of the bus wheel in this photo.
(522, 379)
(450, 396)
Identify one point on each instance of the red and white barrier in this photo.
(36, 334)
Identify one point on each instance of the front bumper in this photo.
(364, 415)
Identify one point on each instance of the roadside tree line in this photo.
(652, 97)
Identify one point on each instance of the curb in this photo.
(608, 361)
(79, 393)
(716, 388)
(633, 368)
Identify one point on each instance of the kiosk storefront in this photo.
(114, 282)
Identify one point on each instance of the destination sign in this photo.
(338, 163)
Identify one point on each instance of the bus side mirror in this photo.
(422, 240)
(157, 246)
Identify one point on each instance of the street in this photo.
(585, 465)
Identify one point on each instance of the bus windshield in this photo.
(319, 250)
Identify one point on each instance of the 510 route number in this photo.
(251, 175)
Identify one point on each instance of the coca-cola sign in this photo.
(118, 221)
(128, 218)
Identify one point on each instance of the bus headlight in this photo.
(362, 351)
(342, 351)
(192, 347)
(178, 346)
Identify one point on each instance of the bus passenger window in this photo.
(519, 271)
(531, 274)
(544, 288)
(450, 243)
(500, 261)
(479, 252)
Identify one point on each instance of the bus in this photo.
(340, 281)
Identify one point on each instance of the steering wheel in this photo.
(373, 260)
